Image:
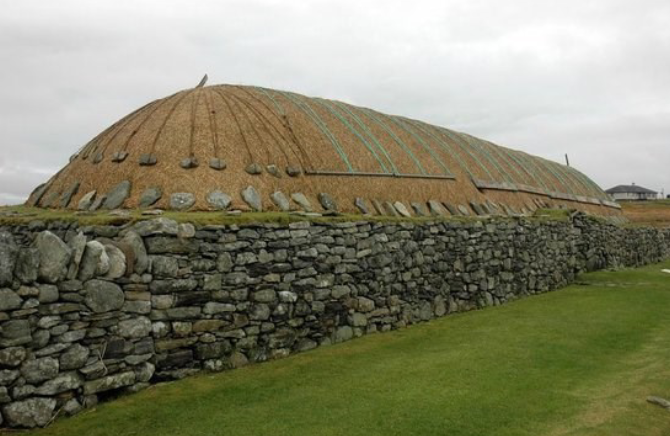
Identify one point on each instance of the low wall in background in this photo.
(89, 312)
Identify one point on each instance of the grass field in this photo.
(579, 361)
(648, 213)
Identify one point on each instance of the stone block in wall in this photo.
(109, 382)
(103, 296)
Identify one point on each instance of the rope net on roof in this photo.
(225, 138)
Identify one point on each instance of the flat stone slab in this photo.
(293, 171)
(463, 210)
(217, 164)
(389, 209)
(452, 210)
(150, 196)
(254, 169)
(280, 200)
(67, 195)
(418, 209)
(252, 198)
(117, 195)
(302, 201)
(362, 207)
(219, 200)
(182, 201)
(273, 170)
(327, 202)
(86, 201)
(402, 209)
(189, 162)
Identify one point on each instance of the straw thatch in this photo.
(227, 137)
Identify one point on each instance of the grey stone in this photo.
(479, 210)
(359, 320)
(38, 370)
(164, 266)
(157, 226)
(147, 160)
(254, 169)
(8, 253)
(280, 200)
(30, 413)
(9, 300)
(224, 262)
(12, 356)
(67, 195)
(117, 195)
(54, 257)
(97, 203)
(219, 200)
(217, 164)
(150, 196)
(252, 198)
(117, 262)
(418, 209)
(4, 398)
(189, 162)
(272, 169)
(265, 296)
(74, 357)
(77, 244)
(103, 296)
(435, 208)
(37, 194)
(212, 308)
(452, 210)
(63, 382)
(463, 210)
(7, 376)
(135, 328)
(136, 244)
(86, 200)
(302, 201)
(288, 297)
(119, 156)
(27, 264)
(15, 332)
(110, 382)
(402, 209)
(238, 360)
(293, 171)
(389, 209)
(362, 207)
(144, 372)
(182, 201)
(48, 294)
(343, 334)
(72, 407)
(94, 261)
(327, 202)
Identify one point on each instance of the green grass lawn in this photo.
(579, 361)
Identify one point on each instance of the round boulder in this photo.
(103, 296)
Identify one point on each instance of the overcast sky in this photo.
(590, 78)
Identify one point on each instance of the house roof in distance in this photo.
(630, 189)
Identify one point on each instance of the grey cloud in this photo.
(584, 78)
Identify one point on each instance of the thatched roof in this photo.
(226, 138)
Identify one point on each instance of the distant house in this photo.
(632, 192)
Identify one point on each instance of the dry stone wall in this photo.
(90, 312)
